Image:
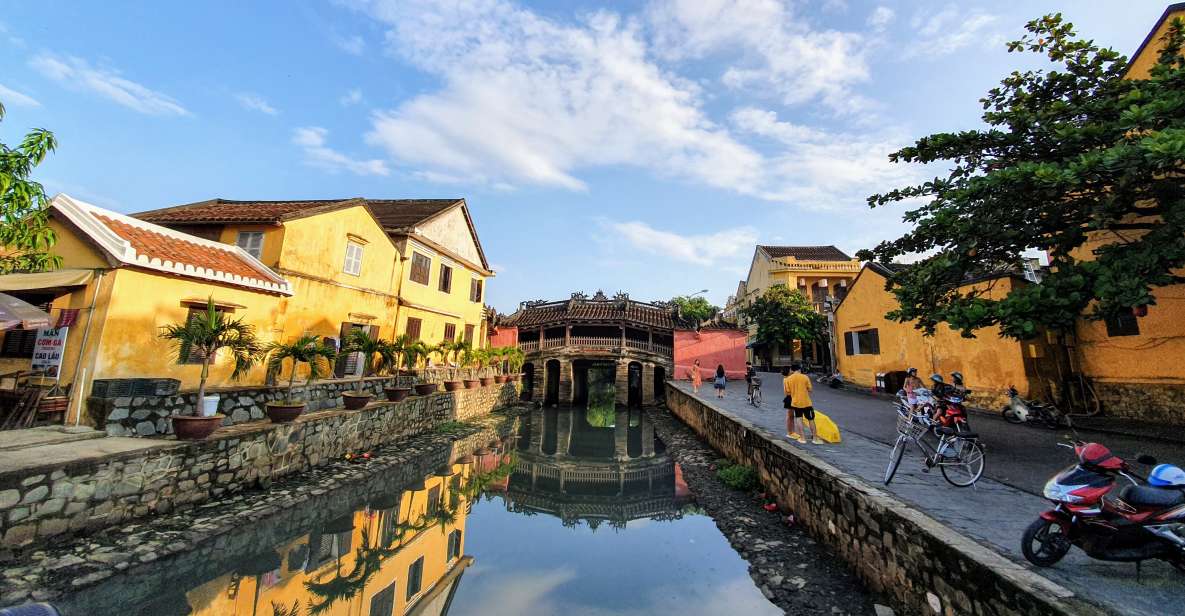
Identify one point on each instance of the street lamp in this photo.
(696, 293)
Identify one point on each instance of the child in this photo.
(798, 406)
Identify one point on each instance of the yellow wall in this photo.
(273, 239)
(988, 363)
(452, 307)
(240, 595)
(1143, 63)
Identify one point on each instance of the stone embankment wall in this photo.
(149, 415)
(89, 494)
(898, 551)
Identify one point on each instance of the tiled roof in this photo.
(130, 241)
(806, 253)
(533, 314)
(391, 213)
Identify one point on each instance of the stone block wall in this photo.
(919, 563)
(89, 494)
(1153, 402)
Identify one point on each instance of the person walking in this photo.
(697, 379)
(720, 381)
(800, 413)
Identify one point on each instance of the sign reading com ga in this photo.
(48, 349)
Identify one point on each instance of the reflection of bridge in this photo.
(575, 470)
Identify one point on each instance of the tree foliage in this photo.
(783, 314)
(1075, 160)
(205, 334)
(24, 208)
(695, 309)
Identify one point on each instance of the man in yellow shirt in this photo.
(797, 387)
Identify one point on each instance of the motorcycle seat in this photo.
(952, 432)
(1148, 496)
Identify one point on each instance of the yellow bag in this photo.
(828, 431)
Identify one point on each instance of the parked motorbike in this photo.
(1137, 522)
(834, 381)
(1021, 411)
(943, 403)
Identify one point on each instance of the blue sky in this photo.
(635, 146)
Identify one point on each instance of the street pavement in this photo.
(997, 509)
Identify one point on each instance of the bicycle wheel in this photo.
(756, 396)
(895, 457)
(967, 467)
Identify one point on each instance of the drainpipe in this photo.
(86, 331)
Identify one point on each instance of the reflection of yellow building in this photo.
(822, 273)
(401, 554)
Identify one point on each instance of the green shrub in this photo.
(738, 477)
(453, 427)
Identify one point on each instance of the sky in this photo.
(644, 147)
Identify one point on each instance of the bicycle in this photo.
(755, 391)
(959, 455)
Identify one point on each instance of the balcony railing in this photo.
(596, 342)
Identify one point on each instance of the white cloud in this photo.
(353, 97)
(708, 249)
(949, 31)
(255, 102)
(13, 98)
(312, 140)
(353, 45)
(880, 18)
(781, 52)
(78, 73)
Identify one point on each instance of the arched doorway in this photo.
(551, 395)
(660, 383)
(528, 381)
(634, 395)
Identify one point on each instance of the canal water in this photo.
(571, 512)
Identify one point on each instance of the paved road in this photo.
(992, 512)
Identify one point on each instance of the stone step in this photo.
(12, 440)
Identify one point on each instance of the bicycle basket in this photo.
(907, 425)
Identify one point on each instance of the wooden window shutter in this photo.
(849, 343)
(413, 327)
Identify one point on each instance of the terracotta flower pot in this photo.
(282, 412)
(397, 394)
(487, 380)
(502, 378)
(472, 383)
(516, 377)
(190, 428)
(424, 389)
(453, 385)
(353, 401)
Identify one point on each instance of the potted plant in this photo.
(515, 360)
(397, 350)
(483, 360)
(469, 360)
(501, 355)
(307, 349)
(360, 341)
(416, 352)
(445, 350)
(202, 336)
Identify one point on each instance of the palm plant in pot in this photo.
(397, 351)
(515, 359)
(416, 353)
(501, 356)
(444, 351)
(202, 336)
(483, 359)
(374, 353)
(469, 360)
(307, 349)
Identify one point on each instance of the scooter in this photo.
(834, 381)
(1021, 411)
(1134, 523)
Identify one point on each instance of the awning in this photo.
(46, 280)
(19, 313)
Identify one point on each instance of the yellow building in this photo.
(869, 344)
(1131, 362)
(403, 553)
(822, 273)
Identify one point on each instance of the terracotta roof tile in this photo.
(391, 213)
(610, 311)
(807, 253)
(166, 248)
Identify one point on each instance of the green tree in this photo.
(376, 354)
(210, 331)
(784, 315)
(307, 349)
(1076, 161)
(24, 208)
(695, 309)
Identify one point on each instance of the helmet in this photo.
(957, 377)
(937, 378)
(912, 372)
(1166, 475)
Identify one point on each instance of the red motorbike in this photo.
(1134, 523)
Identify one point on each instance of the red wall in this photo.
(711, 347)
(503, 336)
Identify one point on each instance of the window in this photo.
(420, 266)
(864, 342)
(353, 258)
(383, 602)
(413, 328)
(433, 500)
(193, 356)
(469, 334)
(475, 290)
(1125, 324)
(415, 577)
(446, 278)
(450, 331)
(18, 343)
(252, 242)
(454, 545)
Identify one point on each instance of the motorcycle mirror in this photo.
(1146, 459)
